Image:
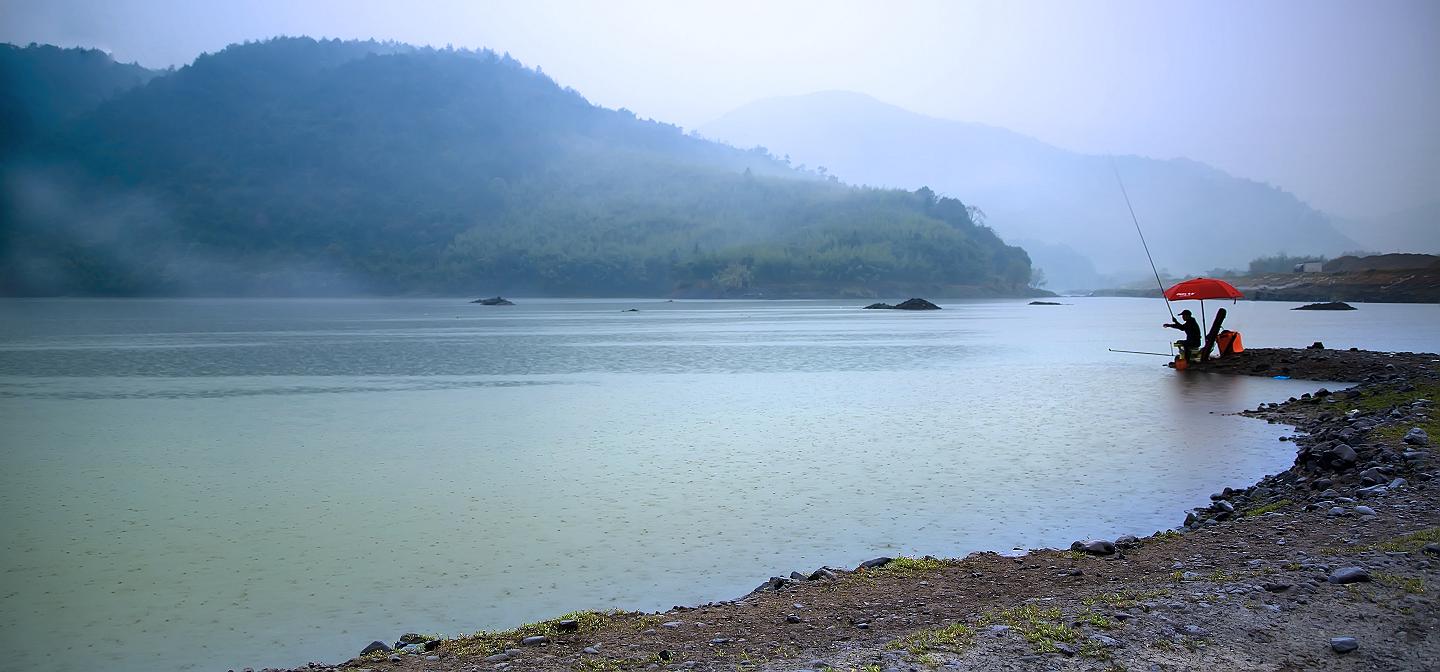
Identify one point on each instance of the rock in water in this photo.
(1328, 305)
(493, 301)
(917, 304)
(879, 306)
(1045, 303)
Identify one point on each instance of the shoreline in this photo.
(1249, 580)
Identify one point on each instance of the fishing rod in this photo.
(1142, 239)
(1137, 352)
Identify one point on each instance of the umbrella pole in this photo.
(1203, 328)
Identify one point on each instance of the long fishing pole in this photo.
(1135, 219)
(1137, 352)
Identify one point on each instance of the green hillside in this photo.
(293, 166)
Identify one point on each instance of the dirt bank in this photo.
(1341, 546)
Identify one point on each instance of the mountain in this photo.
(1194, 216)
(41, 86)
(296, 166)
(1415, 229)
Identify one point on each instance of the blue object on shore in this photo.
(1282, 377)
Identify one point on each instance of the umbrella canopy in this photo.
(1203, 288)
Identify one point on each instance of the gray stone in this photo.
(1094, 547)
(1343, 644)
(535, 641)
(1417, 437)
(1432, 548)
(432, 658)
(671, 624)
(792, 618)
(1107, 642)
(592, 650)
(998, 630)
(1193, 631)
(876, 562)
(1364, 510)
(1067, 649)
(375, 646)
(1348, 575)
(1126, 540)
(1223, 505)
(1336, 511)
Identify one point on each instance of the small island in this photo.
(494, 301)
(1328, 305)
(909, 304)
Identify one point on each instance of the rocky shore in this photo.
(1329, 565)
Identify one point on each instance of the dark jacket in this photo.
(1191, 329)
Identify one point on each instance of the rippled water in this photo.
(222, 483)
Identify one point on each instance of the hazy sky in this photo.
(1335, 101)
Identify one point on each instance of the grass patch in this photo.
(904, 566)
(1267, 508)
(488, 643)
(1040, 626)
(1167, 535)
(1387, 400)
(1094, 620)
(1413, 586)
(1410, 543)
(1125, 599)
(953, 638)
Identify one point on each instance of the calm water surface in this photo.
(211, 484)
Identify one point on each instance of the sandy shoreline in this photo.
(1258, 578)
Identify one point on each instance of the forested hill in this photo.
(292, 166)
(42, 86)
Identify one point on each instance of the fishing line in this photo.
(1142, 238)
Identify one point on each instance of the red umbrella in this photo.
(1203, 288)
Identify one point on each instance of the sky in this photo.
(1335, 101)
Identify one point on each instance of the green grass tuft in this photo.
(953, 638)
(1267, 508)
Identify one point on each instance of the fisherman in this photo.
(1192, 333)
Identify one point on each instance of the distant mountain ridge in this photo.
(296, 166)
(1196, 217)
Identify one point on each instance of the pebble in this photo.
(671, 624)
(1066, 649)
(792, 618)
(1348, 575)
(535, 641)
(1343, 644)
(1364, 510)
(1193, 631)
(432, 658)
(592, 650)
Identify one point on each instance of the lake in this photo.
(214, 484)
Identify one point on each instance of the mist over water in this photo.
(273, 482)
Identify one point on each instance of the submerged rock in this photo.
(1045, 303)
(494, 301)
(908, 304)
